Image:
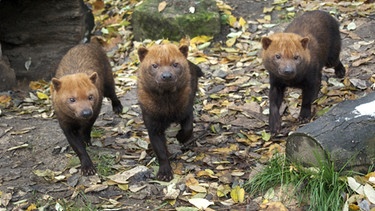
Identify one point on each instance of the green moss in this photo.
(175, 21)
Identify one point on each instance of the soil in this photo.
(42, 146)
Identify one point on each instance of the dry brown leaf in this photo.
(362, 61)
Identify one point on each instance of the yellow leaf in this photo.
(172, 202)
(162, 6)
(230, 42)
(123, 186)
(42, 96)
(206, 172)
(266, 136)
(200, 39)
(279, 1)
(223, 190)
(199, 60)
(31, 207)
(353, 207)
(267, 18)
(238, 194)
(222, 6)
(242, 22)
(232, 20)
(34, 85)
(268, 9)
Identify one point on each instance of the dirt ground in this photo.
(29, 142)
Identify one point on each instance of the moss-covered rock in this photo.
(176, 20)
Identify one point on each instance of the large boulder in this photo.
(178, 19)
(35, 34)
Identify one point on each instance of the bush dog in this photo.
(82, 78)
(296, 57)
(167, 84)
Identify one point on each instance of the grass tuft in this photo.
(316, 188)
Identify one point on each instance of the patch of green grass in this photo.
(73, 161)
(104, 163)
(80, 203)
(320, 188)
(97, 132)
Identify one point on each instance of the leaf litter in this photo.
(231, 133)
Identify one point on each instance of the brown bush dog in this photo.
(296, 57)
(82, 78)
(167, 84)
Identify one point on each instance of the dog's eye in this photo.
(175, 64)
(278, 56)
(91, 97)
(155, 66)
(296, 57)
(72, 100)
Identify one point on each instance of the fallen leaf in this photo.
(123, 177)
(230, 42)
(31, 207)
(351, 26)
(200, 203)
(266, 136)
(200, 39)
(5, 199)
(276, 206)
(162, 6)
(238, 194)
(362, 61)
(5, 99)
(223, 190)
(369, 192)
(41, 95)
(361, 84)
(192, 10)
(171, 192)
(355, 186)
(96, 188)
(198, 188)
(186, 209)
(135, 188)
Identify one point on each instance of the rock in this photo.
(35, 34)
(178, 19)
(7, 74)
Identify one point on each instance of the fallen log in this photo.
(345, 135)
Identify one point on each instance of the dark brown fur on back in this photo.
(83, 77)
(167, 84)
(296, 57)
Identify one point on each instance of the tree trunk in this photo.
(345, 136)
(35, 34)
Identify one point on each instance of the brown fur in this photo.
(296, 57)
(83, 77)
(167, 84)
